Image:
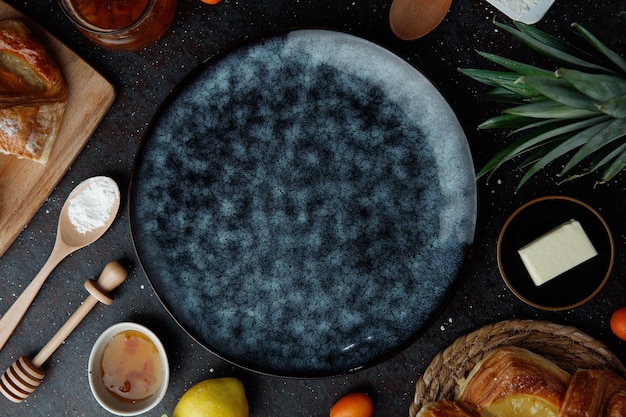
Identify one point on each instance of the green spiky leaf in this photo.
(615, 106)
(515, 66)
(506, 80)
(616, 167)
(614, 130)
(600, 87)
(595, 42)
(561, 91)
(548, 49)
(575, 141)
(578, 109)
(550, 110)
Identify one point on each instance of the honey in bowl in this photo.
(130, 367)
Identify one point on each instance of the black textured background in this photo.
(143, 80)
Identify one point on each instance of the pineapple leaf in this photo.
(604, 158)
(583, 124)
(491, 78)
(537, 154)
(506, 80)
(616, 167)
(515, 66)
(509, 152)
(550, 110)
(595, 42)
(575, 141)
(614, 130)
(540, 137)
(534, 124)
(600, 87)
(550, 50)
(579, 109)
(561, 91)
(552, 41)
(615, 106)
(505, 121)
(579, 174)
(599, 162)
(498, 159)
(504, 95)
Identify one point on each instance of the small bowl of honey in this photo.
(128, 369)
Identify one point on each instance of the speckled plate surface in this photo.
(303, 204)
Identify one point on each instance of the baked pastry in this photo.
(594, 393)
(33, 93)
(616, 406)
(513, 381)
(512, 371)
(447, 408)
(585, 394)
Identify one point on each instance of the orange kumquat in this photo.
(618, 323)
(353, 405)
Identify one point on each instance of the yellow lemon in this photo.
(520, 405)
(217, 397)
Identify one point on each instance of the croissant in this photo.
(514, 380)
(616, 406)
(33, 93)
(447, 408)
(594, 393)
(514, 371)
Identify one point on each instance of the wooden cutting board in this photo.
(24, 184)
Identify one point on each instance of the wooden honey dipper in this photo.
(24, 375)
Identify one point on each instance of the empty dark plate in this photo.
(304, 203)
(573, 287)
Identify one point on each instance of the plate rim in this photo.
(433, 315)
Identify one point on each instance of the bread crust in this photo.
(33, 93)
(594, 393)
(447, 408)
(514, 371)
(616, 406)
(519, 373)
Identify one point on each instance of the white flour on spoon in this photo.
(91, 208)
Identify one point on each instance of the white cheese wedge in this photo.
(556, 252)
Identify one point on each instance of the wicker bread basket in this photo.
(566, 346)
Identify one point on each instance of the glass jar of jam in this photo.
(122, 25)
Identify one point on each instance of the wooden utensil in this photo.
(25, 185)
(68, 240)
(24, 375)
(412, 19)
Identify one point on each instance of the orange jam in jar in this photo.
(111, 14)
(123, 25)
(131, 367)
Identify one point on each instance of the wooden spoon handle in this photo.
(14, 315)
(112, 276)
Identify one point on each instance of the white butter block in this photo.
(556, 252)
